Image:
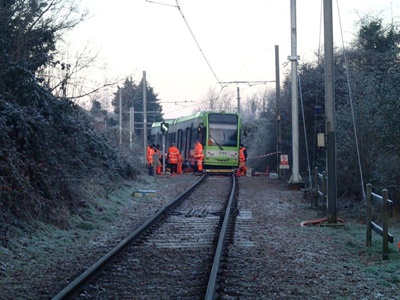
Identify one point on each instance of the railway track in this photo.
(178, 252)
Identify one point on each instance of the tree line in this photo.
(367, 76)
(367, 103)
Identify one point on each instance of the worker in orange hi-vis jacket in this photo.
(157, 161)
(198, 155)
(180, 162)
(242, 160)
(150, 161)
(173, 157)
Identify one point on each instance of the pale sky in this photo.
(237, 37)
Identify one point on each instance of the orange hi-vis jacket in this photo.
(147, 150)
(173, 155)
(150, 153)
(242, 156)
(198, 151)
(180, 162)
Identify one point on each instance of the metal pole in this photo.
(131, 128)
(120, 115)
(330, 111)
(163, 157)
(369, 213)
(385, 225)
(238, 99)
(133, 121)
(295, 105)
(144, 117)
(278, 116)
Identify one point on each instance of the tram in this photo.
(219, 133)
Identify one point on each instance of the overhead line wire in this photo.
(197, 43)
(165, 4)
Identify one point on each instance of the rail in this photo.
(211, 292)
(387, 207)
(78, 284)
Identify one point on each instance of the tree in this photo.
(96, 111)
(372, 67)
(217, 101)
(28, 36)
(132, 94)
(375, 76)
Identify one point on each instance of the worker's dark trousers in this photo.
(151, 171)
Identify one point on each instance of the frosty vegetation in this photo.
(52, 150)
(367, 81)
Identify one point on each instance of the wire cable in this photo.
(305, 131)
(155, 2)
(315, 153)
(197, 43)
(351, 105)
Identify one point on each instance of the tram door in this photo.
(201, 134)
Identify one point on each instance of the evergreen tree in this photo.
(373, 67)
(132, 94)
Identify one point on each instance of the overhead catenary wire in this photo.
(222, 85)
(156, 2)
(197, 43)
(194, 37)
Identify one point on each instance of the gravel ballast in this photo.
(290, 261)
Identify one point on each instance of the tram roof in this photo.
(187, 118)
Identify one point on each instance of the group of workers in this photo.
(175, 160)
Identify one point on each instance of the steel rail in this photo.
(80, 282)
(211, 292)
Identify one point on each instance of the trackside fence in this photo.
(387, 208)
(320, 195)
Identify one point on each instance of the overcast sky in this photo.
(237, 38)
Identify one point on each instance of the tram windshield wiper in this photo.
(214, 141)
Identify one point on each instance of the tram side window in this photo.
(181, 141)
(183, 148)
(194, 138)
(173, 138)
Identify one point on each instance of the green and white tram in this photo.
(219, 133)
